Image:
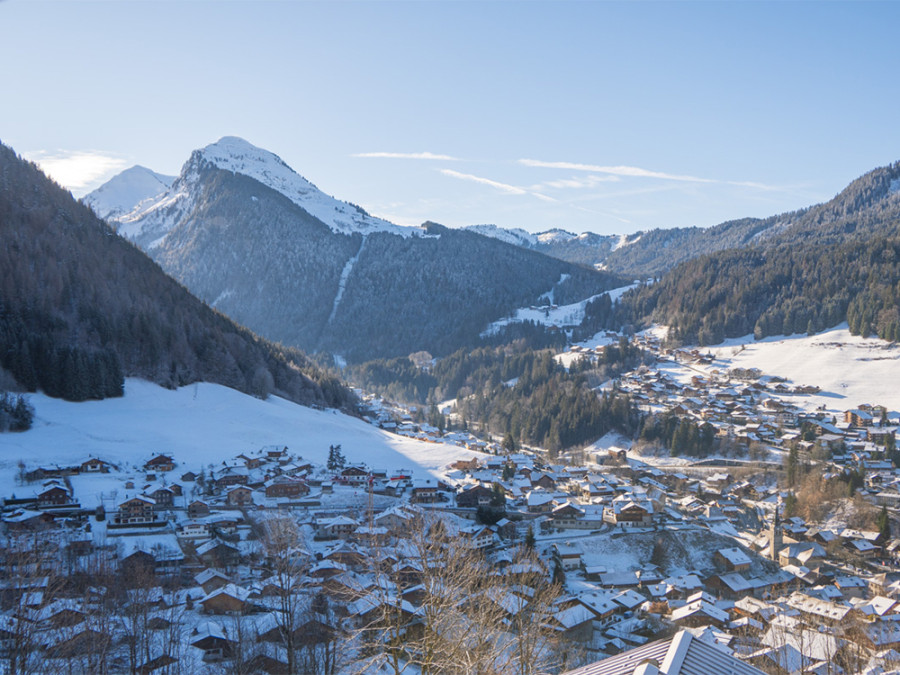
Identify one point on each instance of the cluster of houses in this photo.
(200, 538)
(635, 549)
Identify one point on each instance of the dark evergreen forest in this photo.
(81, 308)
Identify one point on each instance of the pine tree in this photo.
(884, 525)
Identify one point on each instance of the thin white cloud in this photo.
(632, 171)
(77, 169)
(406, 155)
(636, 172)
(503, 187)
(589, 181)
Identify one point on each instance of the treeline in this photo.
(680, 435)
(16, 413)
(781, 291)
(80, 308)
(516, 390)
(550, 408)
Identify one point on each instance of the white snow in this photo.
(123, 192)
(516, 235)
(849, 369)
(342, 282)
(203, 424)
(159, 215)
(555, 236)
(623, 241)
(564, 315)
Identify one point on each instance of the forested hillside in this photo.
(257, 241)
(866, 208)
(780, 291)
(799, 273)
(81, 308)
(515, 391)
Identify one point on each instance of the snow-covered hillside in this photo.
(121, 193)
(204, 424)
(552, 315)
(150, 220)
(516, 236)
(848, 369)
(555, 236)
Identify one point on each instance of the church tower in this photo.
(776, 541)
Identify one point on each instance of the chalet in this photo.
(806, 554)
(135, 511)
(85, 638)
(573, 622)
(700, 612)
(53, 495)
(354, 475)
(160, 663)
(542, 480)
(286, 486)
(160, 463)
(24, 520)
(340, 527)
(732, 585)
(473, 496)
(228, 599)
(95, 465)
(213, 641)
(540, 502)
(569, 556)
(194, 529)
(211, 580)
(197, 509)
(239, 495)
(251, 462)
(137, 564)
(465, 464)
(189, 477)
(478, 537)
(426, 492)
(396, 518)
(627, 513)
(232, 476)
(215, 553)
(164, 497)
(732, 559)
(859, 418)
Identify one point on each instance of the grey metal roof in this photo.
(680, 655)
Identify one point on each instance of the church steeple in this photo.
(775, 535)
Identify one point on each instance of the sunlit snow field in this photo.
(204, 424)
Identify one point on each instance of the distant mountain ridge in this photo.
(81, 307)
(800, 272)
(864, 208)
(254, 239)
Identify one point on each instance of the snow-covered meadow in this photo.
(848, 369)
(204, 424)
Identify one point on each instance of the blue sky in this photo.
(609, 117)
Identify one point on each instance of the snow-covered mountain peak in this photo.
(122, 192)
(555, 236)
(149, 221)
(234, 154)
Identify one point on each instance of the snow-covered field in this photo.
(849, 369)
(204, 424)
(561, 316)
